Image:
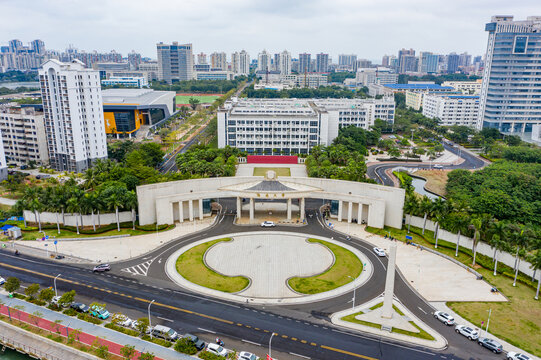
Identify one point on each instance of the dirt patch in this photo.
(435, 180)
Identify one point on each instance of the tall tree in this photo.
(475, 226)
(536, 265)
(425, 206)
(520, 237)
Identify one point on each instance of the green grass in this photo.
(280, 171)
(517, 321)
(421, 334)
(5, 207)
(203, 99)
(345, 264)
(192, 267)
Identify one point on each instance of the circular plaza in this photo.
(269, 267)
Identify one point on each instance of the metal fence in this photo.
(23, 348)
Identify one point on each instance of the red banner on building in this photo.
(272, 159)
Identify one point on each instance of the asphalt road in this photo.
(377, 171)
(302, 329)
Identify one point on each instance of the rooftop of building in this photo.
(418, 86)
(135, 96)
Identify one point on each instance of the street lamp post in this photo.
(270, 353)
(54, 282)
(149, 321)
(354, 289)
(488, 322)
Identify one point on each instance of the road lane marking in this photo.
(421, 310)
(164, 319)
(347, 352)
(209, 331)
(301, 356)
(250, 342)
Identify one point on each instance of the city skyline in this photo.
(211, 27)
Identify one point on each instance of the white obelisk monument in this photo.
(387, 310)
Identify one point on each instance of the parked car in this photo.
(122, 320)
(199, 344)
(444, 317)
(268, 224)
(80, 307)
(101, 268)
(164, 332)
(490, 344)
(517, 356)
(216, 350)
(99, 312)
(55, 300)
(379, 252)
(135, 323)
(244, 355)
(2, 280)
(467, 331)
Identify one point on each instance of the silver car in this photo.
(467, 331)
(444, 317)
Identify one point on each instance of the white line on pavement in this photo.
(250, 342)
(209, 331)
(164, 319)
(301, 356)
(418, 307)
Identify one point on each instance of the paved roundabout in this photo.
(268, 267)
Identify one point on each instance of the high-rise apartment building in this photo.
(347, 62)
(134, 59)
(401, 59)
(322, 63)
(201, 59)
(276, 62)
(453, 61)
(305, 63)
(38, 47)
(428, 62)
(218, 60)
(511, 90)
(285, 63)
(73, 114)
(408, 63)
(175, 62)
(240, 63)
(264, 61)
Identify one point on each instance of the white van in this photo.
(164, 332)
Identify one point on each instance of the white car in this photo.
(517, 356)
(122, 320)
(55, 300)
(244, 355)
(216, 350)
(379, 252)
(444, 317)
(134, 326)
(268, 224)
(2, 280)
(438, 166)
(467, 331)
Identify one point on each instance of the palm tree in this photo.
(410, 206)
(497, 229)
(499, 244)
(476, 227)
(115, 199)
(439, 211)
(131, 202)
(425, 206)
(536, 265)
(520, 237)
(459, 223)
(73, 207)
(87, 205)
(53, 203)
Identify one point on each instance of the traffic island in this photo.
(402, 325)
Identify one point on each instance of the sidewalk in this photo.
(114, 340)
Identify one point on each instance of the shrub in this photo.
(121, 329)
(209, 356)
(19, 296)
(70, 312)
(161, 342)
(185, 346)
(37, 302)
(89, 318)
(54, 307)
(46, 294)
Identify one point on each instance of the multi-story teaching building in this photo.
(511, 90)
(3, 164)
(23, 135)
(175, 62)
(294, 126)
(73, 113)
(452, 109)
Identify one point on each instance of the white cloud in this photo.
(369, 28)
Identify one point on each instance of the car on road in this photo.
(467, 331)
(216, 350)
(99, 312)
(199, 344)
(379, 252)
(517, 356)
(438, 166)
(80, 307)
(268, 224)
(444, 317)
(101, 268)
(244, 355)
(164, 332)
(2, 280)
(122, 320)
(490, 344)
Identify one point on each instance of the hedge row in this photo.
(89, 318)
(99, 230)
(161, 342)
(122, 329)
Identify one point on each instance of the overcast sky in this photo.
(368, 28)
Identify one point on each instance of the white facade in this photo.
(218, 60)
(3, 164)
(23, 135)
(285, 63)
(73, 110)
(175, 62)
(240, 63)
(128, 81)
(264, 61)
(367, 76)
(294, 126)
(452, 110)
(466, 87)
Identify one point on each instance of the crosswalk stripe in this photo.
(139, 269)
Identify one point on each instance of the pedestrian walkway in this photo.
(114, 340)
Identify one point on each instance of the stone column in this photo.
(180, 211)
(252, 210)
(360, 213)
(340, 205)
(289, 209)
(302, 209)
(350, 211)
(387, 310)
(200, 209)
(239, 208)
(190, 209)
(172, 213)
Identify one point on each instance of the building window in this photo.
(521, 43)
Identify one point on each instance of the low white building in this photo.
(294, 126)
(3, 164)
(380, 75)
(466, 87)
(23, 135)
(452, 109)
(127, 81)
